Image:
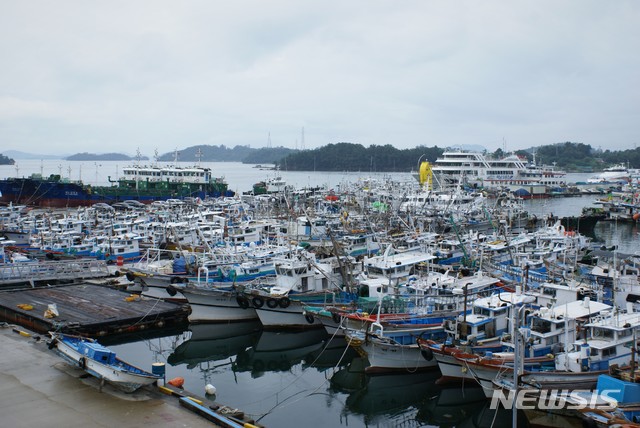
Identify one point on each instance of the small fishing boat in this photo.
(101, 362)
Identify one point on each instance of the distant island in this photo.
(101, 157)
(345, 156)
(17, 154)
(4, 160)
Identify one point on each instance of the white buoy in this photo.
(210, 389)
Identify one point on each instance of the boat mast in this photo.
(138, 156)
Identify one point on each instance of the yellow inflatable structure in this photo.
(425, 175)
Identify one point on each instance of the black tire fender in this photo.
(243, 302)
(284, 302)
(427, 354)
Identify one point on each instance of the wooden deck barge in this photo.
(88, 309)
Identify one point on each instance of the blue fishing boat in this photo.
(101, 362)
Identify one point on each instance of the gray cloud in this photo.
(159, 75)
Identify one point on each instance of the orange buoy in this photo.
(636, 216)
(177, 382)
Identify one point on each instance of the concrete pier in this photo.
(38, 389)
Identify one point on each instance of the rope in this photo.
(282, 403)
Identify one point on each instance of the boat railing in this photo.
(13, 273)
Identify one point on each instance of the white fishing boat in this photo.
(607, 343)
(299, 281)
(211, 304)
(393, 350)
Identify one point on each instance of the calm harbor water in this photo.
(292, 379)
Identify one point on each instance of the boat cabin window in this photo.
(500, 311)
(549, 291)
(283, 271)
(552, 339)
(609, 352)
(374, 270)
(481, 311)
(541, 325)
(625, 333)
(601, 333)
(399, 269)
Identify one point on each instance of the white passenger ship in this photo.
(511, 172)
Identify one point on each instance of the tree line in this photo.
(568, 156)
(345, 156)
(5, 160)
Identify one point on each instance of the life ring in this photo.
(258, 302)
(272, 303)
(82, 363)
(309, 318)
(427, 354)
(336, 318)
(284, 302)
(243, 302)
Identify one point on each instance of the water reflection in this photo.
(335, 352)
(621, 234)
(388, 397)
(451, 406)
(414, 399)
(295, 375)
(213, 342)
(279, 351)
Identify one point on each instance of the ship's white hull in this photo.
(211, 305)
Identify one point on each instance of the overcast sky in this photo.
(115, 76)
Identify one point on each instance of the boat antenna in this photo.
(175, 156)
(138, 156)
(199, 155)
(155, 157)
(534, 157)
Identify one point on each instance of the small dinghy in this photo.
(101, 362)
